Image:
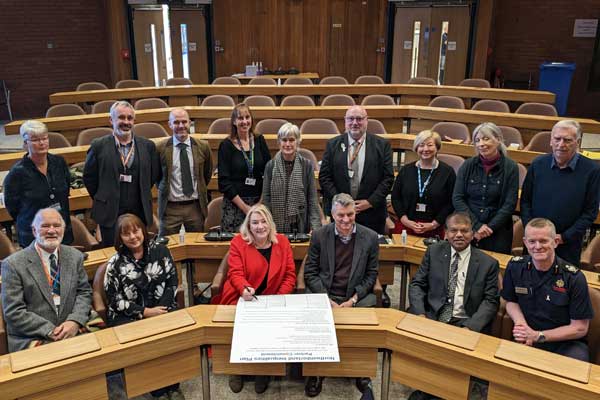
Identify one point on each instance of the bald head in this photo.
(179, 122)
(356, 121)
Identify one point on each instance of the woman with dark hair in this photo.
(140, 281)
(242, 160)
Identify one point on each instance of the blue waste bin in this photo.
(556, 77)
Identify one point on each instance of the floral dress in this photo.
(132, 285)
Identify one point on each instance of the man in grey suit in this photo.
(186, 171)
(45, 291)
(342, 261)
(120, 170)
(456, 282)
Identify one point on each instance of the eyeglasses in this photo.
(357, 119)
(39, 139)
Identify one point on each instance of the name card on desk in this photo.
(53, 352)
(449, 334)
(341, 316)
(544, 361)
(153, 326)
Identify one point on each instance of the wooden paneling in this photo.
(119, 40)
(482, 38)
(196, 33)
(90, 389)
(337, 37)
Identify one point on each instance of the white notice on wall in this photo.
(192, 46)
(585, 28)
(407, 45)
(451, 46)
(284, 328)
(148, 47)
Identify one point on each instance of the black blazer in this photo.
(375, 184)
(428, 290)
(101, 177)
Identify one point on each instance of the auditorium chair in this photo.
(472, 82)
(452, 160)
(220, 125)
(453, 131)
(537, 109)
(297, 100)
(369, 80)
(540, 142)
(590, 257)
(418, 80)
(219, 279)
(91, 86)
(258, 100)
(86, 136)
(150, 130)
(129, 83)
(83, 240)
(376, 127)
(491, 105)
(301, 284)
(298, 80)
(378, 100)
(447, 102)
(310, 156)
(511, 135)
(6, 246)
(179, 82)
(214, 211)
(522, 174)
(338, 100)
(3, 337)
(226, 80)
(319, 126)
(102, 106)
(57, 140)
(333, 80)
(262, 80)
(150, 103)
(269, 125)
(64, 110)
(517, 241)
(218, 100)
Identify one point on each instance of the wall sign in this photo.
(585, 28)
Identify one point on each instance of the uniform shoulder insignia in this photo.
(517, 258)
(571, 268)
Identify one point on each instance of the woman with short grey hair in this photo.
(289, 189)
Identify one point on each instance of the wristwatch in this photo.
(541, 337)
(354, 301)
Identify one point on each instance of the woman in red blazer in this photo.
(260, 263)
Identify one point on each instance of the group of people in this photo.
(46, 296)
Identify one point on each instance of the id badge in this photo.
(56, 206)
(251, 181)
(350, 173)
(124, 178)
(421, 207)
(56, 300)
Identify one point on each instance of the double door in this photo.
(431, 42)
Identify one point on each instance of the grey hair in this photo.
(288, 129)
(120, 103)
(37, 219)
(568, 124)
(341, 199)
(542, 223)
(426, 135)
(490, 130)
(32, 127)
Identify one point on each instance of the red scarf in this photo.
(489, 164)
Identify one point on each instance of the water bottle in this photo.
(404, 236)
(182, 234)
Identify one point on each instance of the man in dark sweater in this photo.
(342, 261)
(563, 187)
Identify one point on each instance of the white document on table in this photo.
(284, 328)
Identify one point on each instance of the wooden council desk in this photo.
(421, 353)
(313, 76)
(407, 94)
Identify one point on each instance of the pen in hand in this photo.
(249, 291)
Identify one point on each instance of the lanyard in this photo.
(354, 153)
(423, 186)
(249, 161)
(52, 280)
(125, 160)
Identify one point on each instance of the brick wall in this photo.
(527, 33)
(77, 31)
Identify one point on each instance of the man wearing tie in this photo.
(360, 164)
(46, 296)
(456, 283)
(186, 171)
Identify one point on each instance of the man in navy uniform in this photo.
(547, 298)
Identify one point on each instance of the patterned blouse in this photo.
(132, 285)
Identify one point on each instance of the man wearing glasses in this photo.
(360, 164)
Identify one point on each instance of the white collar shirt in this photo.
(361, 152)
(458, 310)
(175, 184)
